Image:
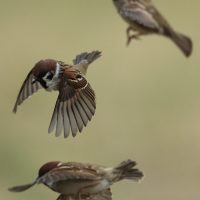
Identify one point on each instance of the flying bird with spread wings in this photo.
(78, 181)
(143, 19)
(76, 104)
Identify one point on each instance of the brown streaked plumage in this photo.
(143, 19)
(75, 105)
(82, 181)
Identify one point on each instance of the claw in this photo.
(128, 31)
(128, 41)
(136, 37)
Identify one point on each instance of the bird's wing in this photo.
(103, 195)
(28, 88)
(75, 105)
(138, 14)
(69, 171)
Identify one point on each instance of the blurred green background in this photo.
(148, 97)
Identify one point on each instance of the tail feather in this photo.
(82, 61)
(183, 42)
(89, 57)
(21, 188)
(127, 171)
(133, 174)
(127, 164)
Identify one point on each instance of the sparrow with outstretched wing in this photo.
(76, 104)
(82, 181)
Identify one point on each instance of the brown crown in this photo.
(44, 66)
(48, 167)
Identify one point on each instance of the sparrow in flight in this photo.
(143, 19)
(82, 181)
(75, 104)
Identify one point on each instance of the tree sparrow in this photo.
(143, 19)
(82, 181)
(75, 104)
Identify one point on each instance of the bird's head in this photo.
(45, 70)
(47, 167)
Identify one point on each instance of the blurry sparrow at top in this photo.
(143, 19)
(75, 104)
(82, 181)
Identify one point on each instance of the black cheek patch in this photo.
(43, 83)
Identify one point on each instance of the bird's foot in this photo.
(136, 37)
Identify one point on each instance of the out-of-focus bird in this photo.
(75, 104)
(82, 181)
(143, 19)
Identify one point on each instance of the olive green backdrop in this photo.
(148, 97)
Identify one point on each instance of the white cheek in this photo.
(57, 72)
(54, 82)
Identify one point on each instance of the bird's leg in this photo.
(134, 36)
(128, 31)
(129, 36)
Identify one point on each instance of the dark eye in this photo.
(49, 76)
(78, 76)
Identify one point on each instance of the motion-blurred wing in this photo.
(139, 15)
(28, 88)
(75, 105)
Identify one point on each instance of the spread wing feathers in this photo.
(68, 173)
(75, 106)
(140, 16)
(90, 57)
(27, 89)
(103, 195)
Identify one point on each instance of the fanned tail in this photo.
(89, 57)
(184, 43)
(127, 170)
(82, 61)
